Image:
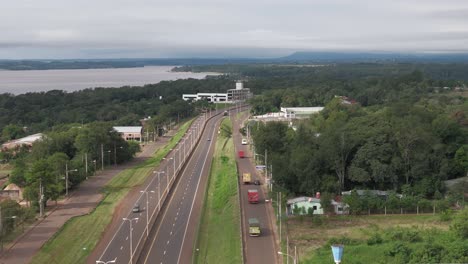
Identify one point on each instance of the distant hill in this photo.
(302, 57)
(337, 57)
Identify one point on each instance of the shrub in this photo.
(460, 224)
(428, 253)
(405, 234)
(399, 251)
(374, 239)
(446, 215)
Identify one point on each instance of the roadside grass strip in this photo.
(218, 239)
(78, 237)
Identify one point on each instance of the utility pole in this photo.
(102, 156)
(115, 154)
(266, 165)
(41, 198)
(86, 164)
(66, 179)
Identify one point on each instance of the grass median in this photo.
(219, 239)
(78, 237)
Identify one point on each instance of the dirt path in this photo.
(82, 201)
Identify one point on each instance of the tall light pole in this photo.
(173, 162)
(130, 220)
(102, 156)
(66, 178)
(287, 255)
(159, 188)
(147, 210)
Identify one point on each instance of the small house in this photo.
(130, 132)
(303, 205)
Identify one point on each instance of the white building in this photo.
(233, 95)
(300, 112)
(210, 97)
(288, 113)
(27, 141)
(240, 94)
(130, 132)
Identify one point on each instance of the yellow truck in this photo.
(246, 178)
(254, 227)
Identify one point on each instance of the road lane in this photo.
(119, 246)
(260, 249)
(174, 233)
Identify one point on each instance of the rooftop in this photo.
(128, 129)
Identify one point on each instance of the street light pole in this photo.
(130, 220)
(66, 178)
(159, 188)
(147, 211)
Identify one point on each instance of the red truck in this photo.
(241, 154)
(253, 196)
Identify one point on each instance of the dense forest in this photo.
(404, 133)
(121, 106)
(407, 131)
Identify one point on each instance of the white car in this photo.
(244, 141)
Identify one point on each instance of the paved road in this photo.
(82, 201)
(260, 249)
(151, 196)
(174, 233)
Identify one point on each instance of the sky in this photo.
(57, 29)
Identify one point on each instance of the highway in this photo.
(152, 197)
(260, 249)
(173, 236)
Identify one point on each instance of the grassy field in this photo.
(78, 237)
(219, 239)
(312, 236)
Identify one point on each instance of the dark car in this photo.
(257, 182)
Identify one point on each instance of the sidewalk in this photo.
(81, 201)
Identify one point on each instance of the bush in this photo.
(405, 234)
(374, 239)
(400, 251)
(460, 224)
(428, 253)
(446, 215)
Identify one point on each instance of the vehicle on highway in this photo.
(246, 178)
(136, 208)
(252, 196)
(254, 227)
(257, 182)
(225, 113)
(244, 141)
(208, 139)
(241, 154)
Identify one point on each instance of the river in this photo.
(20, 82)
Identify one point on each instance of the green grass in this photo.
(312, 235)
(78, 237)
(219, 239)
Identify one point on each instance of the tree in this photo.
(460, 224)
(12, 131)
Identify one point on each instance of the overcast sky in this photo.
(222, 28)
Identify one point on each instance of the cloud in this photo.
(88, 28)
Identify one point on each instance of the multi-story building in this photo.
(239, 94)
